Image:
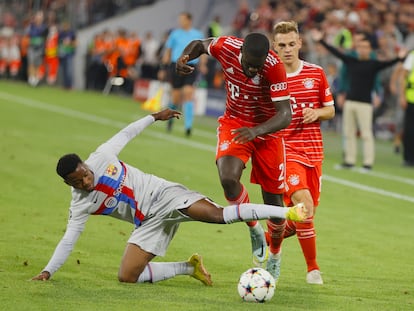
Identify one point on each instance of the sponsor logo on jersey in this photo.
(111, 170)
(111, 202)
(278, 87)
(293, 179)
(328, 92)
(308, 83)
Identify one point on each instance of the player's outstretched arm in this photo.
(117, 142)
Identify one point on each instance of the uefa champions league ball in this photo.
(256, 285)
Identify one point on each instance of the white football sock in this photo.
(251, 211)
(160, 271)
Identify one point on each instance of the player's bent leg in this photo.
(133, 263)
(206, 211)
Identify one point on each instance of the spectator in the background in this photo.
(241, 19)
(214, 28)
(124, 57)
(149, 57)
(261, 18)
(214, 71)
(97, 72)
(24, 42)
(406, 85)
(50, 66)
(131, 59)
(341, 36)
(67, 48)
(10, 59)
(37, 32)
(358, 108)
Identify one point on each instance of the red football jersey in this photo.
(250, 100)
(308, 88)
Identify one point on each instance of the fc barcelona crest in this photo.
(111, 170)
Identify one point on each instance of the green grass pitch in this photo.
(364, 221)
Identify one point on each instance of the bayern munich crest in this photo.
(293, 179)
(308, 83)
(224, 145)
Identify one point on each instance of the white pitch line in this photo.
(386, 176)
(105, 121)
(368, 188)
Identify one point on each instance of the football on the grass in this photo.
(256, 285)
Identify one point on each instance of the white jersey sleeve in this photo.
(78, 215)
(115, 144)
(63, 250)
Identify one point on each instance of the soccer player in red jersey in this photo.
(312, 102)
(257, 108)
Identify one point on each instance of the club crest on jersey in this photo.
(294, 179)
(111, 170)
(308, 83)
(224, 145)
(256, 80)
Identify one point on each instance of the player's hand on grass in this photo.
(166, 114)
(42, 276)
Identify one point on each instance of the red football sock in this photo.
(275, 235)
(306, 234)
(290, 229)
(243, 197)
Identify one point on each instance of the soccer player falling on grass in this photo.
(257, 107)
(104, 185)
(311, 102)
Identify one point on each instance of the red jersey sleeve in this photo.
(275, 73)
(325, 91)
(215, 46)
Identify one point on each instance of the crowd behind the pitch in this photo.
(134, 54)
(38, 37)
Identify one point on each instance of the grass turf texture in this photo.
(365, 246)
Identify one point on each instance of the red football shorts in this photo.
(267, 156)
(299, 176)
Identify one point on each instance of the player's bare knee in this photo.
(229, 185)
(127, 277)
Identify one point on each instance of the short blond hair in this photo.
(285, 27)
